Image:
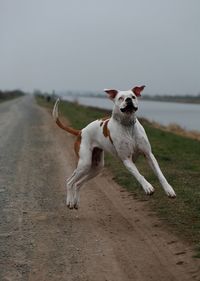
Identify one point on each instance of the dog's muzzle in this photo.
(129, 108)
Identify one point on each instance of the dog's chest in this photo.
(125, 142)
(125, 146)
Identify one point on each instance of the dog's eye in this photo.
(133, 97)
(121, 98)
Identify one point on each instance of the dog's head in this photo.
(126, 103)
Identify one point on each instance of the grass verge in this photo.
(179, 159)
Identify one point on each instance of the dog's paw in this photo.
(149, 190)
(76, 206)
(171, 193)
(76, 203)
(70, 206)
(70, 203)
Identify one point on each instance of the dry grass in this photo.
(174, 128)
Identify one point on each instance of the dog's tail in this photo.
(58, 122)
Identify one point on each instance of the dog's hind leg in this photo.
(93, 173)
(97, 166)
(68, 180)
(71, 185)
(79, 178)
(83, 168)
(69, 190)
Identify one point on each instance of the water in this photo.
(183, 114)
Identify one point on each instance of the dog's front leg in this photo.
(155, 167)
(148, 188)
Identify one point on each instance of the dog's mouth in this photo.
(129, 108)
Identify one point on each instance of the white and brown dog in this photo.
(122, 135)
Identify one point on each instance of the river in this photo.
(183, 114)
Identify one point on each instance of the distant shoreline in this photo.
(166, 98)
(178, 99)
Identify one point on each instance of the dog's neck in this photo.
(124, 120)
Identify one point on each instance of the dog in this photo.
(122, 135)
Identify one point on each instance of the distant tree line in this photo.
(44, 95)
(6, 95)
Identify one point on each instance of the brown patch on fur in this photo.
(106, 131)
(77, 145)
(104, 119)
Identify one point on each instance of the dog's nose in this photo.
(128, 100)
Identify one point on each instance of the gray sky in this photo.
(97, 44)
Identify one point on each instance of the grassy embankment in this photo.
(179, 158)
(8, 95)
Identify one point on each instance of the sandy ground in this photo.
(112, 237)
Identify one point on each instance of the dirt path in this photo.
(111, 237)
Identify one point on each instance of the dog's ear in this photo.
(137, 90)
(111, 92)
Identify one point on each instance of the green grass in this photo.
(179, 159)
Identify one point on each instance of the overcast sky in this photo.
(97, 44)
